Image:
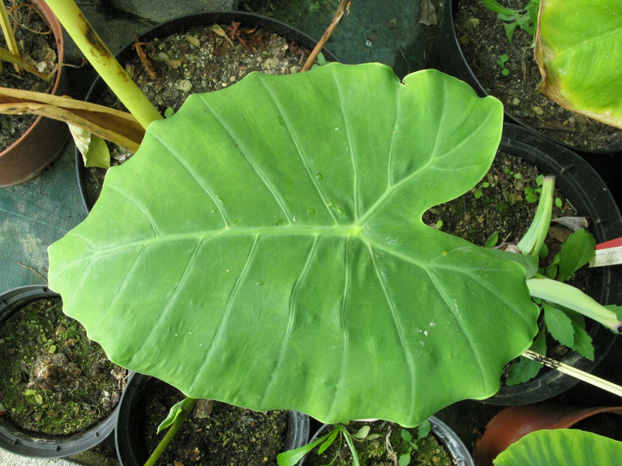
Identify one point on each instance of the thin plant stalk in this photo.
(187, 408)
(104, 62)
(576, 373)
(7, 31)
(343, 8)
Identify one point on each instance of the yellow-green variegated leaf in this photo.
(568, 447)
(579, 51)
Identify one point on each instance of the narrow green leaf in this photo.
(558, 324)
(576, 252)
(496, 7)
(292, 457)
(329, 441)
(355, 455)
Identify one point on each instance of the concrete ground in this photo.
(9, 459)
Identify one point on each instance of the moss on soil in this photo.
(54, 379)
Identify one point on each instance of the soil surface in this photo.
(36, 43)
(201, 60)
(384, 445)
(483, 41)
(54, 379)
(215, 434)
(502, 203)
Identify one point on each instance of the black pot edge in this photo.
(581, 183)
(125, 438)
(26, 443)
(450, 440)
(172, 26)
(447, 56)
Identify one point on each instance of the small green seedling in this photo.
(422, 432)
(292, 457)
(478, 192)
(526, 19)
(439, 225)
(533, 194)
(511, 174)
(340, 433)
(503, 59)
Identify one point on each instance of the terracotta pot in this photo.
(513, 423)
(44, 140)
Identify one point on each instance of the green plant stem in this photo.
(9, 37)
(533, 240)
(573, 299)
(103, 61)
(576, 373)
(186, 409)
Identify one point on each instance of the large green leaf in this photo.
(265, 248)
(569, 447)
(579, 51)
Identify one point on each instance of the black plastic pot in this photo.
(447, 56)
(129, 437)
(456, 449)
(24, 442)
(589, 195)
(180, 24)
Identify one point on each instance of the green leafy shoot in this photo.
(503, 59)
(526, 18)
(292, 457)
(576, 252)
(535, 236)
(560, 317)
(423, 431)
(178, 413)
